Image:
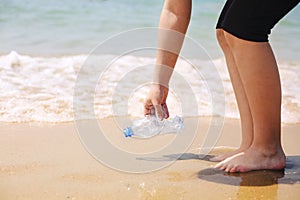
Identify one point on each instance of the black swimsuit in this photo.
(253, 19)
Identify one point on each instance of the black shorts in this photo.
(253, 19)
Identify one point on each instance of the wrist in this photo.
(158, 86)
(162, 75)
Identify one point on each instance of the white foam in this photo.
(41, 88)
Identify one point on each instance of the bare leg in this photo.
(259, 74)
(242, 101)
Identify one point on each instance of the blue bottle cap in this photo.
(128, 132)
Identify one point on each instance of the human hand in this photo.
(155, 102)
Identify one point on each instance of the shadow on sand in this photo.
(290, 175)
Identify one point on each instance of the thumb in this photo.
(159, 112)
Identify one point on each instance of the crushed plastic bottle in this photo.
(150, 126)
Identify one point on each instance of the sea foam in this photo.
(40, 89)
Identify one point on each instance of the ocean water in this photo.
(44, 44)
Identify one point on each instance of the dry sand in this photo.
(44, 161)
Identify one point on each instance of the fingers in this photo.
(159, 112)
(155, 102)
(148, 106)
(165, 110)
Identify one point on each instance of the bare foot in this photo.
(253, 159)
(222, 157)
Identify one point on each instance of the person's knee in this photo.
(230, 43)
(231, 40)
(220, 34)
(227, 41)
(235, 43)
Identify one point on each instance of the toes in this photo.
(228, 168)
(234, 169)
(221, 166)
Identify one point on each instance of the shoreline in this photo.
(34, 99)
(50, 162)
(71, 122)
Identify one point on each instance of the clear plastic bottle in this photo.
(150, 126)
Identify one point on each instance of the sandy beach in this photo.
(65, 60)
(48, 161)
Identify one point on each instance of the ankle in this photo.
(268, 150)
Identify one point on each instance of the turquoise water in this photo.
(60, 27)
(43, 45)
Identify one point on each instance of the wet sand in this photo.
(46, 161)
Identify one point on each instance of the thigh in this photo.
(253, 19)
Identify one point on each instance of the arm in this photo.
(175, 16)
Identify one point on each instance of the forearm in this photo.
(174, 21)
